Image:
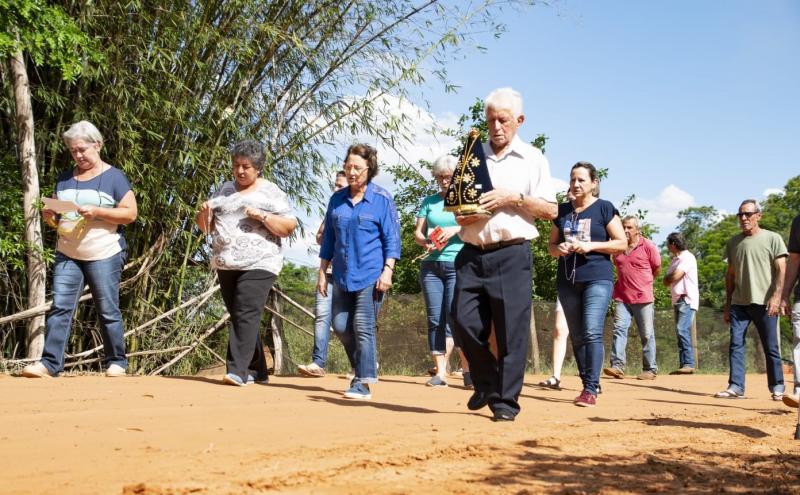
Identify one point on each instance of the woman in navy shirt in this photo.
(585, 234)
(362, 239)
(91, 249)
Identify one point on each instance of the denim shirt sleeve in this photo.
(390, 231)
(328, 233)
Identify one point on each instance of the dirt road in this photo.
(143, 435)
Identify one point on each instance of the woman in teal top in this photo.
(436, 227)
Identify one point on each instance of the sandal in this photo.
(728, 394)
(551, 382)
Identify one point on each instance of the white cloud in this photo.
(662, 211)
(773, 190)
(421, 139)
(559, 185)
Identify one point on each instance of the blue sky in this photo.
(703, 95)
(685, 102)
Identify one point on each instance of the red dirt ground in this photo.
(191, 435)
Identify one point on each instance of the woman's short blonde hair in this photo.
(83, 130)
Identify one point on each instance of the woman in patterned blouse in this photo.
(247, 218)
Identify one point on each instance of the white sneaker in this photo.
(36, 370)
(115, 370)
(311, 370)
(351, 375)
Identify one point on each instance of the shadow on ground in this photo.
(683, 470)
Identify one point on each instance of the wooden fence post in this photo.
(694, 341)
(276, 327)
(537, 365)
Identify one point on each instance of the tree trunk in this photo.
(26, 149)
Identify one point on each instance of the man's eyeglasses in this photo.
(746, 214)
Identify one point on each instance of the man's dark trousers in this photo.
(495, 286)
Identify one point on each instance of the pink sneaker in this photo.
(586, 399)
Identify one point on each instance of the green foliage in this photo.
(46, 34)
(695, 221)
(412, 188)
(297, 278)
(780, 209)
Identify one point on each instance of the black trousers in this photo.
(495, 286)
(245, 294)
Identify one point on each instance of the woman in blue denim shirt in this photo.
(586, 232)
(362, 239)
(437, 275)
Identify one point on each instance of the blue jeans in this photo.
(354, 319)
(322, 325)
(767, 327)
(684, 316)
(643, 314)
(438, 280)
(585, 305)
(103, 277)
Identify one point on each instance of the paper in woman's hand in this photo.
(59, 206)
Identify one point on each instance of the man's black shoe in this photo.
(503, 415)
(477, 401)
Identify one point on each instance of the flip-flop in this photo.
(551, 382)
(728, 394)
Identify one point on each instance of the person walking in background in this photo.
(637, 267)
(437, 276)
(791, 281)
(247, 218)
(753, 287)
(493, 269)
(91, 248)
(560, 336)
(681, 278)
(362, 241)
(322, 309)
(586, 232)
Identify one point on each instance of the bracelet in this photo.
(387, 265)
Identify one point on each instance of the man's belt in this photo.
(492, 246)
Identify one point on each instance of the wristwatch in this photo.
(520, 200)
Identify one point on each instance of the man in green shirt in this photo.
(753, 285)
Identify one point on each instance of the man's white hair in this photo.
(445, 164)
(504, 99)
